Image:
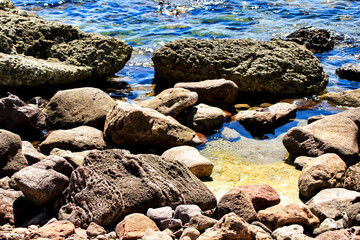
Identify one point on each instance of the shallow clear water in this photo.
(147, 25)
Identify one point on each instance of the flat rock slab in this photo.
(274, 67)
(348, 98)
(349, 71)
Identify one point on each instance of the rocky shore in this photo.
(84, 166)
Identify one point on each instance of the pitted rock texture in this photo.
(36, 52)
(274, 67)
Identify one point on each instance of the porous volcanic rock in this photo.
(36, 52)
(273, 67)
(349, 71)
(79, 106)
(348, 98)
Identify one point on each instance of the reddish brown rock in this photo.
(7, 199)
(58, 230)
(352, 178)
(134, 226)
(343, 234)
(287, 214)
(94, 230)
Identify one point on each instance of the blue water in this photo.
(147, 25)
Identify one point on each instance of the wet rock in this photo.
(160, 213)
(237, 201)
(76, 139)
(292, 232)
(43, 181)
(201, 222)
(170, 224)
(329, 225)
(348, 98)
(349, 71)
(190, 156)
(21, 118)
(172, 101)
(116, 173)
(352, 178)
(264, 119)
(55, 230)
(150, 234)
(325, 171)
(132, 125)
(318, 40)
(11, 157)
(203, 117)
(232, 227)
(262, 196)
(274, 67)
(134, 226)
(343, 234)
(186, 212)
(332, 202)
(31, 154)
(76, 159)
(287, 214)
(191, 233)
(77, 107)
(94, 230)
(353, 214)
(48, 53)
(301, 161)
(333, 134)
(212, 92)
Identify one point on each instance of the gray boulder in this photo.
(76, 139)
(349, 71)
(172, 101)
(333, 134)
(31, 154)
(77, 107)
(329, 225)
(274, 67)
(353, 214)
(132, 125)
(186, 212)
(160, 213)
(212, 92)
(11, 157)
(48, 53)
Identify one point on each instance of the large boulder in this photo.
(21, 118)
(37, 52)
(172, 101)
(11, 157)
(274, 67)
(77, 107)
(212, 92)
(76, 139)
(349, 71)
(132, 125)
(133, 183)
(348, 98)
(332, 134)
(352, 178)
(326, 171)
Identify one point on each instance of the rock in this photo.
(80, 106)
(329, 225)
(287, 214)
(43, 181)
(301, 161)
(160, 213)
(76, 159)
(130, 124)
(172, 101)
(11, 157)
(325, 171)
(204, 118)
(332, 202)
(353, 114)
(274, 67)
(49, 53)
(213, 92)
(201, 222)
(237, 201)
(7, 199)
(264, 119)
(353, 213)
(117, 173)
(262, 196)
(186, 212)
(292, 232)
(94, 230)
(80, 234)
(31, 154)
(230, 134)
(190, 156)
(191, 233)
(134, 226)
(333, 134)
(5, 182)
(349, 71)
(170, 224)
(6, 4)
(75, 139)
(155, 235)
(21, 118)
(241, 106)
(318, 40)
(233, 227)
(314, 118)
(348, 98)
(343, 234)
(55, 230)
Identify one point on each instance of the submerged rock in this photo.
(349, 71)
(274, 67)
(36, 52)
